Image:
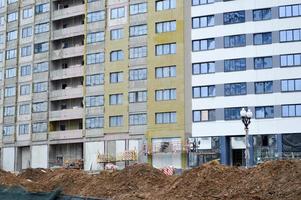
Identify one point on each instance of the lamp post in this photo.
(246, 120)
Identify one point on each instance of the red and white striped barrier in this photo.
(168, 171)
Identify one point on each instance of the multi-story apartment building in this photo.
(245, 54)
(95, 77)
(96, 80)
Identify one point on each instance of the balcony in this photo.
(68, 52)
(68, 32)
(68, 12)
(67, 114)
(68, 93)
(71, 72)
(65, 135)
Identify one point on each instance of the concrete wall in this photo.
(9, 159)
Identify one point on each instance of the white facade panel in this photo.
(9, 159)
(92, 149)
(39, 156)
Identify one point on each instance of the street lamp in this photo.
(246, 120)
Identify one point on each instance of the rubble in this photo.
(272, 180)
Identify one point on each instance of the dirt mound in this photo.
(275, 180)
(33, 174)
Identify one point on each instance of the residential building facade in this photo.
(245, 54)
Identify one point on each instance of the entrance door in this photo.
(238, 157)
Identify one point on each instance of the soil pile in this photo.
(272, 180)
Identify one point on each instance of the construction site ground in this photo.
(273, 180)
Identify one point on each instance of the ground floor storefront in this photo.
(230, 150)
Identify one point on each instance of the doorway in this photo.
(238, 157)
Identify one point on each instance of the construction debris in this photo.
(275, 180)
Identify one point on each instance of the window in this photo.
(138, 8)
(166, 49)
(10, 73)
(116, 77)
(166, 94)
(235, 65)
(201, 2)
(116, 55)
(116, 34)
(291, 85)
(9, 111)
(290, 60)
(40, 87)
(290, 11)
(233, 89)
(39, 127)
(12, 35)
(95, 58)
(290, 35)
(8, 130)
(95, 37)
(116, 99)
(264, 112)
(137, 96)
(263, 87)
(10, 91)
(166, 72)
(262, 38)
(11, 1)
(117, 13)
(138, 52)
(25, 70)
(234, 41)
(138, 119)
(42, 8)
(168, 26)
(263, 62)
(95, 79)
(2, 38)
(203, 115)
(94, 122)
(203, 45)
(24, 109)
(26, 51)
(27, 32)
(41, 28)
(203, 68)
(1, 56)
(166, 118)
(25, 89)
(234, 17)
(203, 91)
(41, 47)
(202, 22)
(95, 16)
(27, 13)
(23, 129)
(232, 113)
(11, 54)
(2, 21)
(138, 74)
(116, 121)
(94, 101)
(138, 30)
(11, 17)
(262, 14)
(41, 67)
(39, 107)
(2, 3)
(291, 110)
(165, 4)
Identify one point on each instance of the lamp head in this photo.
(243, 112)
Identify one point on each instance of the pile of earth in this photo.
(272, 180)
